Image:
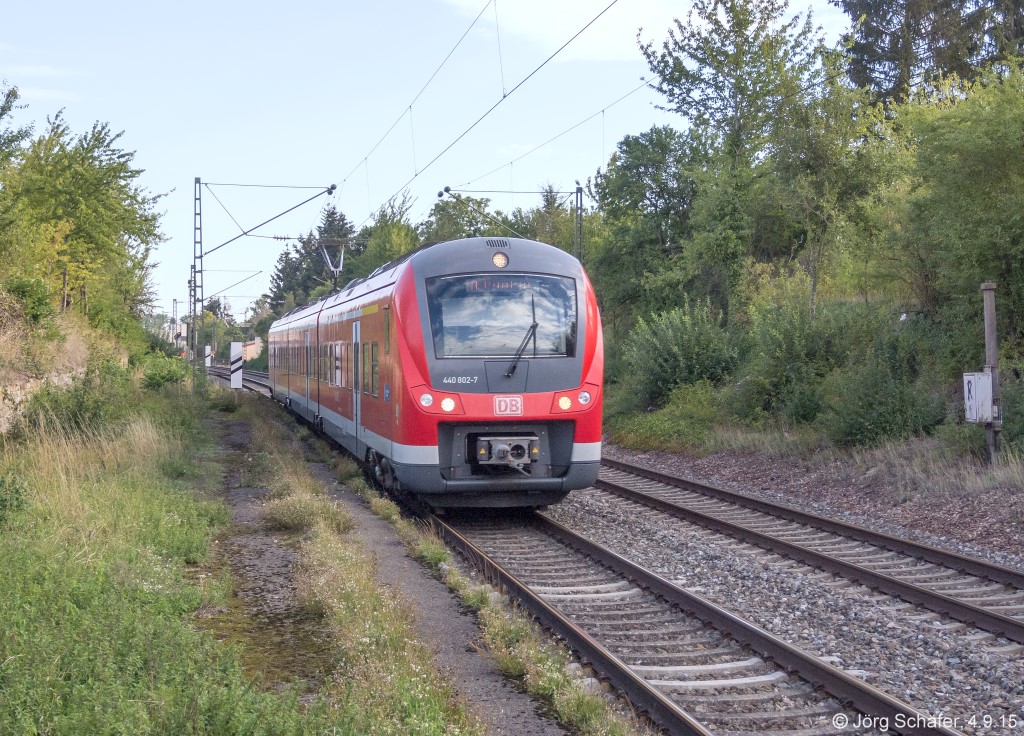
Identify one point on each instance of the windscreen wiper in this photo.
(522, 349)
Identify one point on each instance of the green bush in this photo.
(961, 439)
(682, 424)
(872, 405)
(801, 400)
(12, 495)
(906, 347)
(159, 370)
(1011, 388)
(34, 295)
(790, 356)
(681, 346)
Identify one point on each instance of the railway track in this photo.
(256, 381)
(973, 591)
(692, 666)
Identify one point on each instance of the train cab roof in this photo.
(450, 256)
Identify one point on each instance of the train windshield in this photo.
(493, 315)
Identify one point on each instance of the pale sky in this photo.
(262, 93)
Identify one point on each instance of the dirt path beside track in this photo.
(286, 646)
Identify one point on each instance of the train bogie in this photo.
(468, 373)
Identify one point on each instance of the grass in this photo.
(95, 594)
(925, 468)
(302, 511)
(385, 677)
(947, 465)
(100, 530)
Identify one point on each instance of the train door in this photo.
(356, 400)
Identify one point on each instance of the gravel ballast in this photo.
(938, 665)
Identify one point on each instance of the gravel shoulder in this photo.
(451, 630)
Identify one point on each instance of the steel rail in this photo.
(845, 687)
(224, 374)
(642, 694)
(996, 623)
(961, 563)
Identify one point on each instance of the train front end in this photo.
(504, 370)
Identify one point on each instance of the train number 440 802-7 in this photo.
(460, 379)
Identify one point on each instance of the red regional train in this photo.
(467, 373)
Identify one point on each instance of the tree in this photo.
(301, 269)
(283, 281)
(896, 48)
(728, 69)
(965, 211)
(73, 213)
(818, 161)
(729, 66)
(11, 138)
(652, 174)
(1004, 34)
(646, 194)
(461, 217)
(389, 237)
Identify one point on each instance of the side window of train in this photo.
(387, 331)
(336, 366)
(343, 365)
(366, 367)
(374, 369)
(346, 368)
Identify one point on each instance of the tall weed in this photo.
(102, 396)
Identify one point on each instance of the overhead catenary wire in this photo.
(234, 285)
(376, 145)
(328, 190)
(224, 207)
(501, 63)
(555, 138)
(258, 186)
(493, 107)
(463, 202)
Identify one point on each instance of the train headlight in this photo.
(426, 399)
(448, 403)
(499, 259)
(564, 403)
(584, 397)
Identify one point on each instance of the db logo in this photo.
(508, 405)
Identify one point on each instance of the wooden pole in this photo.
(988, 290)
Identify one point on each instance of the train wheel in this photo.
(383, 473)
